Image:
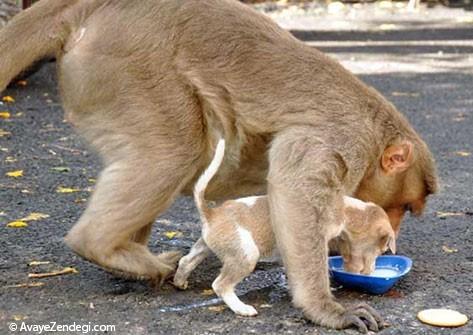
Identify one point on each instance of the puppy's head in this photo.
(368, 233)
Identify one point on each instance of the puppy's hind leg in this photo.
(233, 271)
(188, 263)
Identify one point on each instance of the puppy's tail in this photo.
(38, 32)
(201, 185)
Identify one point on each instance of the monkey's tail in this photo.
(35, 33)
(204, 179)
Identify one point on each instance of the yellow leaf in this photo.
(33, 284)
(8, 98)
(35, 217)
(462, 153)
(217, 309)
(36, 263)
(208, 292)
(4, 115)
(4, 133)
(449, 250)
(19, 317)
(447, 214)
(172, 234)
(17, 224)
(405, 94)
(61, 189)
(15, 174)
(65, 271)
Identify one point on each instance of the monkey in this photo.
(150, 83)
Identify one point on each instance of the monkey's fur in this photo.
(150, 82)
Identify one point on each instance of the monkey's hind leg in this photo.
(130, 193)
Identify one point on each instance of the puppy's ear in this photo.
(392, 244)
(388, 242)
(397, 158)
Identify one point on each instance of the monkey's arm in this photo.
(305, 189)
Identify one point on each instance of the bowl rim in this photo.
(407, 260)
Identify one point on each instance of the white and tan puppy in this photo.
(239, 233)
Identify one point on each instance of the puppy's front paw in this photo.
(180, 284)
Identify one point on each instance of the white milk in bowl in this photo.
(384, 272)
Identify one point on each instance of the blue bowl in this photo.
(394, 268)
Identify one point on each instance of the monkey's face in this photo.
(397, 185)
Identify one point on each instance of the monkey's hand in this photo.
(333, 315)
(363, 317)
(306, 182)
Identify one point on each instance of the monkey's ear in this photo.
(397, 158)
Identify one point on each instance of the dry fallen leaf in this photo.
(217, 309)
(4, 133)
(10, 159)
(61, 189)
(35, 217)
(266, 306)
(463, 153)
(17, 224)
(36, 263)
(60, 169)
(172, 234)
(449, 250)
(207, 292)
(22, 83)
(33, 284)
(19, 317)
(405, 94)
(65, 271)
(4, 115)
(15, 174)
(8, 98)
(447, 214)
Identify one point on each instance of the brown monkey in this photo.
(150, 82)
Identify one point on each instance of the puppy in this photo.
(239, 232)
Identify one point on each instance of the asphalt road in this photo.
(425, 69)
